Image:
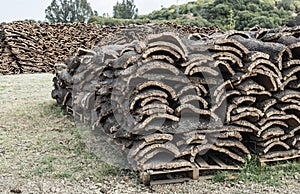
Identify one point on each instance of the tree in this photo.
(244, 14)
(287, 4)
(125, 10)
(68, 11)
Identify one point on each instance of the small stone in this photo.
(106, 182)
(98, 185)
(103, 190)
(93, 187)
(16, 190)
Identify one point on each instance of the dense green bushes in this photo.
(246, 14)
(232, 14)
(227, 14)
(117, 22)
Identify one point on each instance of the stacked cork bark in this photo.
(8, 64)
(277, 69)
(168, 96)
(173, 99)
(28, 47)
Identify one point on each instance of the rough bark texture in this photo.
(27, 47)
(165, 93)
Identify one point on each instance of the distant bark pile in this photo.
(27, 47)
(172, 99)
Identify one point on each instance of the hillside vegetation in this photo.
(227, 14)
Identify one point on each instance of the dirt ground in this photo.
(41, 151)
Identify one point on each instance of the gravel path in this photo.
(40, 151)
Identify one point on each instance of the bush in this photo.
(228, 14)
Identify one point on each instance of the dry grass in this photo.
(37, 138)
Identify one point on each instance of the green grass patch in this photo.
(3, 88)
(64, 175)
(252, 172)
(43, 169)
(82, 164)
(48, 160)
(53, 110)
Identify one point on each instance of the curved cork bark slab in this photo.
(273, 144)
(164, 58)
(203, 148)
(294, 84)
(225, 67)
(156, 148)
(287, 95)
(189, 89)
(158, 84)
(153, 99)
(272, 132)
(197, 59)
(219, 48)
(234, 61)
(174, 47)
(295, 50)
(274, 155)
(143, 125)
(266, 104)
(249, 116)
(246, 125)
(180, 163)
(290, 108)
(291, 71)
(147, 94)
(189, 98)
(201, 69)
(256, 55)
(192, 108)
(148, 140)
(158, 66)
(168, 37)
(231, 33)
(162, 50)
(163, 107)
(243, 100)
(233, 43)
(249, 84)
(291, 63)
(270, 124)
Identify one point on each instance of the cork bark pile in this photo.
(173, 97)
(27, 47)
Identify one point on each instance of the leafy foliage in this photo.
(246, 14)
(68, 11)
(231, 14)
(227, 14)
(119, 22)
(125, 10)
